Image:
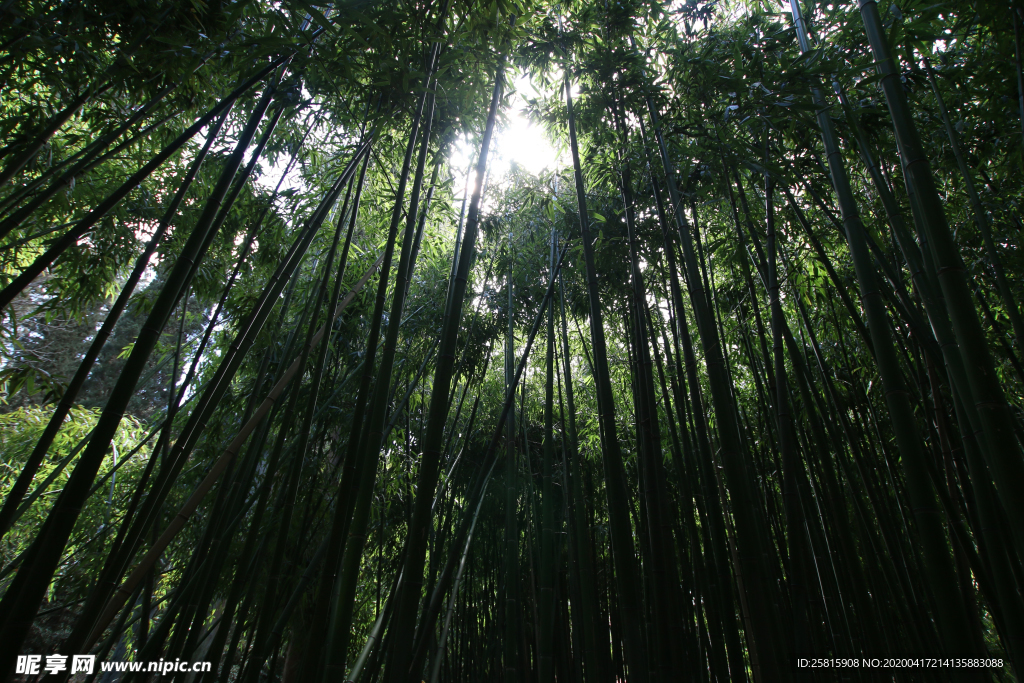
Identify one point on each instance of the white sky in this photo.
(518, 141)
(523, 142)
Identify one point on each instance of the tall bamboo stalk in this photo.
(626, 579)
(948, 606)
(1006, 460)
(762, 603)
(369, 444)
(398, 661)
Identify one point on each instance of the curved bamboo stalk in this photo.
(44, 554)
(42, 262)
(218, 467)
(67, 400)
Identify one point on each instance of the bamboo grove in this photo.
(299, 382)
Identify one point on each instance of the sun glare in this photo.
(519, 140)
(516, 140)
(522, 141)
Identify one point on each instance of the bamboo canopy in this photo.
(306, 376)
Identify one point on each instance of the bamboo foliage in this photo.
(761, 390)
